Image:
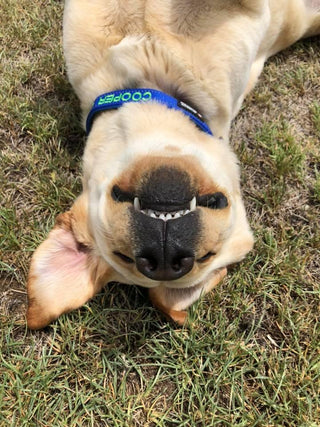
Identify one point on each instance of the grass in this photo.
(250, 356)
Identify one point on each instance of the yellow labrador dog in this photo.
(159, 83)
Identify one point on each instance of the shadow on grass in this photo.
(119, 319)
(69, 120)
(65, 106)
(52, 112)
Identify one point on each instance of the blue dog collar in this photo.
(114, 100)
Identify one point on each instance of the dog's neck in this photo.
(116, 99)
(146, 63)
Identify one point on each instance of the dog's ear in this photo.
(65, 271)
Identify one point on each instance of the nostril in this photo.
(158, 269)
(183, 264)
(146, 265)
(176, 265)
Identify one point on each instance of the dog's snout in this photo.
(165, 250)
(171, 266)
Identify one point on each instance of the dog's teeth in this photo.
(136, 204)
(193, 204)
(164, 216)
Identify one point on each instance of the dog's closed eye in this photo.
(124, 258)
(213, 201)
(120, 195)
(206, 257)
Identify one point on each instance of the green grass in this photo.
(315, 111)
(250, 355)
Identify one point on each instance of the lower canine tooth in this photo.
(136, 204)
(193, 204)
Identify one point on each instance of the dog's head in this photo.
(162, 220)
(157, 206)
(168, 208)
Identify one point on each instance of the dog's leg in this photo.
(65, 271)
(255, 72)
(313, 6)
(173, 302)
(291, 20)
(308, 17)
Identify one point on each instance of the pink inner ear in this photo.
(66, 252)
(60, 278)
(59, 258)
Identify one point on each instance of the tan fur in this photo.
(208, 52)
(173, 302)
(51, 294)
(133, 176)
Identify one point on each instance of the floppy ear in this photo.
(65, 271)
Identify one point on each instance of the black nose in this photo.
(165, 250)
(174, 266)
(165, 247)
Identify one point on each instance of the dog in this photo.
(159, 84)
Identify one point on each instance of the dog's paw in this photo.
(175, 316)
(218, 276)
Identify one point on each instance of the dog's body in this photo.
(145, 165)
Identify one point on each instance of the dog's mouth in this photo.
(165, 228)
(164, 212)
(170, 209)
